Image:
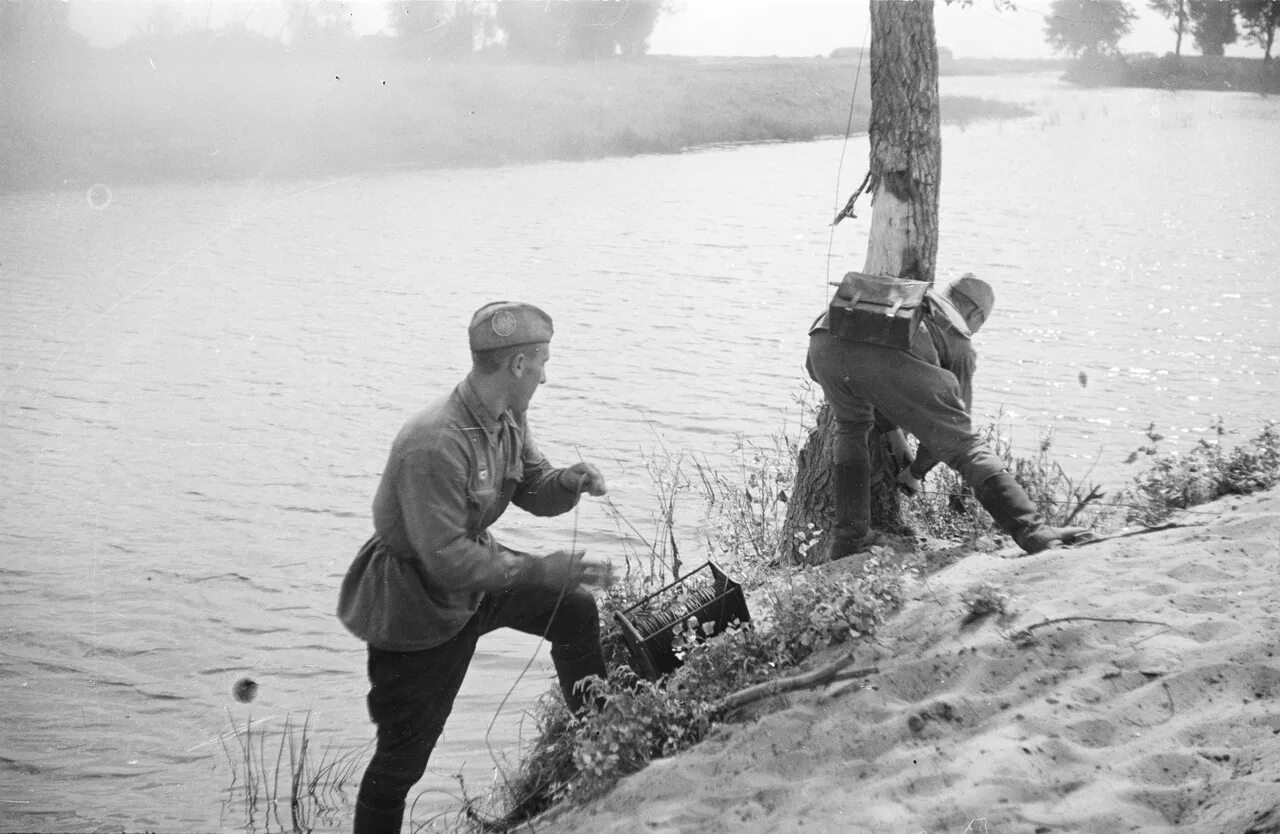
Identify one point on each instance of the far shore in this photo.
(1174, 72)
(130, 118)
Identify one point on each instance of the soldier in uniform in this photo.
(432, 579)
(928, 391)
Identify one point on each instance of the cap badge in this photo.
(504, 323)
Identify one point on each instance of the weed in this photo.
(314, 789)
(982, 600)
(659, 561)
(669, 480)
(1176, 481)
(744, 514)
(948, 510)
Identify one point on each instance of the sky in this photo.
(815, 27)
(717, 27)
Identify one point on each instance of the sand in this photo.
(1161, 714)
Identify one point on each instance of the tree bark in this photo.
(906, 150)
(1180, 14)
(906, 147)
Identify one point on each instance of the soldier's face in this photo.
(529, 371)
(974, 316)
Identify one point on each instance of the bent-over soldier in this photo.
(926, 390)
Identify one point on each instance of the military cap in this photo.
(502, 324)
(976, 291)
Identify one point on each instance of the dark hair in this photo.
(491, 361)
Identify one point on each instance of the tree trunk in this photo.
(1182, 24)
(906, 147)
(905, 172)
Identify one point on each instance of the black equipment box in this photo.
(877, 310)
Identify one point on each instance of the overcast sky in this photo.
(815, 27)
(714, 27)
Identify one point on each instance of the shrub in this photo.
(640, 720)
(1176, 481)
(948, 510)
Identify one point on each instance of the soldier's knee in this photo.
(579, 605)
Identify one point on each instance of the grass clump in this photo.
(281, 784)
(1174, 481)
(983, 600)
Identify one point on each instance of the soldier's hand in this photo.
(901, 450)
(563, 569)
(597, 573)
(583, 477)
(570, 568)
(908, 483)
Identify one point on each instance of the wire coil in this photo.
(705, 598)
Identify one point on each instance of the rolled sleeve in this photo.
(541, 491)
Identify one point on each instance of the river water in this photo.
(200, 382)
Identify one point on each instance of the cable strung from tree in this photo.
(848, 130)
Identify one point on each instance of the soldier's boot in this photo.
(1016, 514)
(851, 529)
(370, 820)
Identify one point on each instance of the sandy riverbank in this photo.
(1132, 686)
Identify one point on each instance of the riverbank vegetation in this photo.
(810, 625)
(801, 612)
(1091, 30)
(1171, 72)
(148, 115)
(279, 781)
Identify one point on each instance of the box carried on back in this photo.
(877, 310)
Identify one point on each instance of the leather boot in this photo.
(1015, 513)
(370, 820)
(572, 672)
(851, 530)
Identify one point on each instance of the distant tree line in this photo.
(559, 31)
(1089, 28)
(27, 26)
(566, 30)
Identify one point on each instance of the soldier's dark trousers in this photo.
(922, 398)
(411, 693)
